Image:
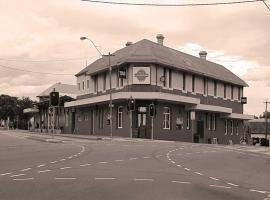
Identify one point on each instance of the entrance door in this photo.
(141, 123)
(200, 130)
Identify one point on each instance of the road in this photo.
(32, 169)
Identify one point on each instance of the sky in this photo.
(44, 36)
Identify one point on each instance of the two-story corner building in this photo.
(195, 100)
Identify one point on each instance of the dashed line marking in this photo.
(118, 160)
(179, 165)
(23, 170)
(17, 175)
(233, 184)
(213, 178)
(70, 157)
(198, 173)
(63, 159)
(187, 169)
(54, 161)
(105, 178)
(65, 167)
(146, 157)
(44, 171)
(87, 164)
(143, 179)
(65, 178)
(22, 179)
(133, 158)
(182, 182)
(6, 174)
(103, 162)
(259, 191)
(172, 162)
(220, 186)
(42, 165)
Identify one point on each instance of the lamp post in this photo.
(110, 77)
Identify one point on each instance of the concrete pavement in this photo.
(123, 169)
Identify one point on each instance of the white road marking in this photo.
(54, 161)
(233, 184)
(26, 169)
(143, 179)
(104, 178)
(268, 195)
(48, 170)
(17, 175)
(22, 179)
(198, 173)
(182, 182)
(133, 158)
(220, 186)
(179, 165)
(213, 178)
(146, 157)
(259, 191)
(87, 164)
(66, 178)
(172, 162)
(187, 169)
(6, 174)
(63, 159)
(65, 167)
(103, 162)
(70, 157)
(41, 165)
(118, 160)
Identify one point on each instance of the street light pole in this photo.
(266, 119)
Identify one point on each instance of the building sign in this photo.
(192, 115)
(141, 75)
(243, 100)
(122, 73)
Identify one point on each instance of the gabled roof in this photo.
(63, 89)
(146, 51)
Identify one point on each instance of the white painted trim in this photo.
(205, 107)
(135, 95)
(238, 116)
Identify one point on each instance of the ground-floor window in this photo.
(211, 121)
(85, 117)
(120, 117)
(226, 126)
(66, 117)
(188, 120)
(101, 118)
(231, 126)
(166, 118)
(236, 128)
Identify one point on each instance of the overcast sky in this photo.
(44, 36)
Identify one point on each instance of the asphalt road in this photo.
(34, 169)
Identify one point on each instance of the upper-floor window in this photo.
(193, 83)
(95, 83)
(239, 93)
(215, 88)
(101, 118)
(166, 118)
(83, 85)
(184, 81)
(170, 78)
(231, 126)
(205, 81)
(165, 77)
(225, 90)
(104, 81)
(79, 86)
(120, 117)
(87, 84)
(231, 91)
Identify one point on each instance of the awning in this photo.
(238, 116)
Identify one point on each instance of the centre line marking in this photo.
(63, 159)
(233, 184)
(143, 179)
(6, 174)
(65, 167)
(41, 165)
(220, 186)
(26, 169)
(179, 165)
(54, 162)
(48, 170)
(213, 178)
(133, 158)
(198, 173)
(105, 178)
(65, 178)
(118, 160)
(22, 179)
(103, 162)
(187, 169)
(262, 192)
(17, 175)
(87, 164)
(146, 157)
(182, 182)
(70, 157)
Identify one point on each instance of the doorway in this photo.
(200, 130)
(142, 122)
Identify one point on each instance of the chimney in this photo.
(160, 39)
(203, 54)
(128, 43)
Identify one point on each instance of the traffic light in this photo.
(151, 110)
(54, 98)
(131, 104)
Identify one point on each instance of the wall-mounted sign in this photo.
(122, 73)
(192, 115)
(141, 75)
(243, 100)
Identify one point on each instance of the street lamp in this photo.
(110, 75)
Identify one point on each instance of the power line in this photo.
(266, 5)
(174, 5)
(34, 72)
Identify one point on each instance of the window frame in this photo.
(225, 91)
(215, 88)
(166, 112)
(232, 97)
(170, 78)
(193, 83)
(226, 126)
(104, 81)
(188, 120)
(205, 86)
(120, 117)
(87, 84)
(231, 127)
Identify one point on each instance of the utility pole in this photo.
(266, 119)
